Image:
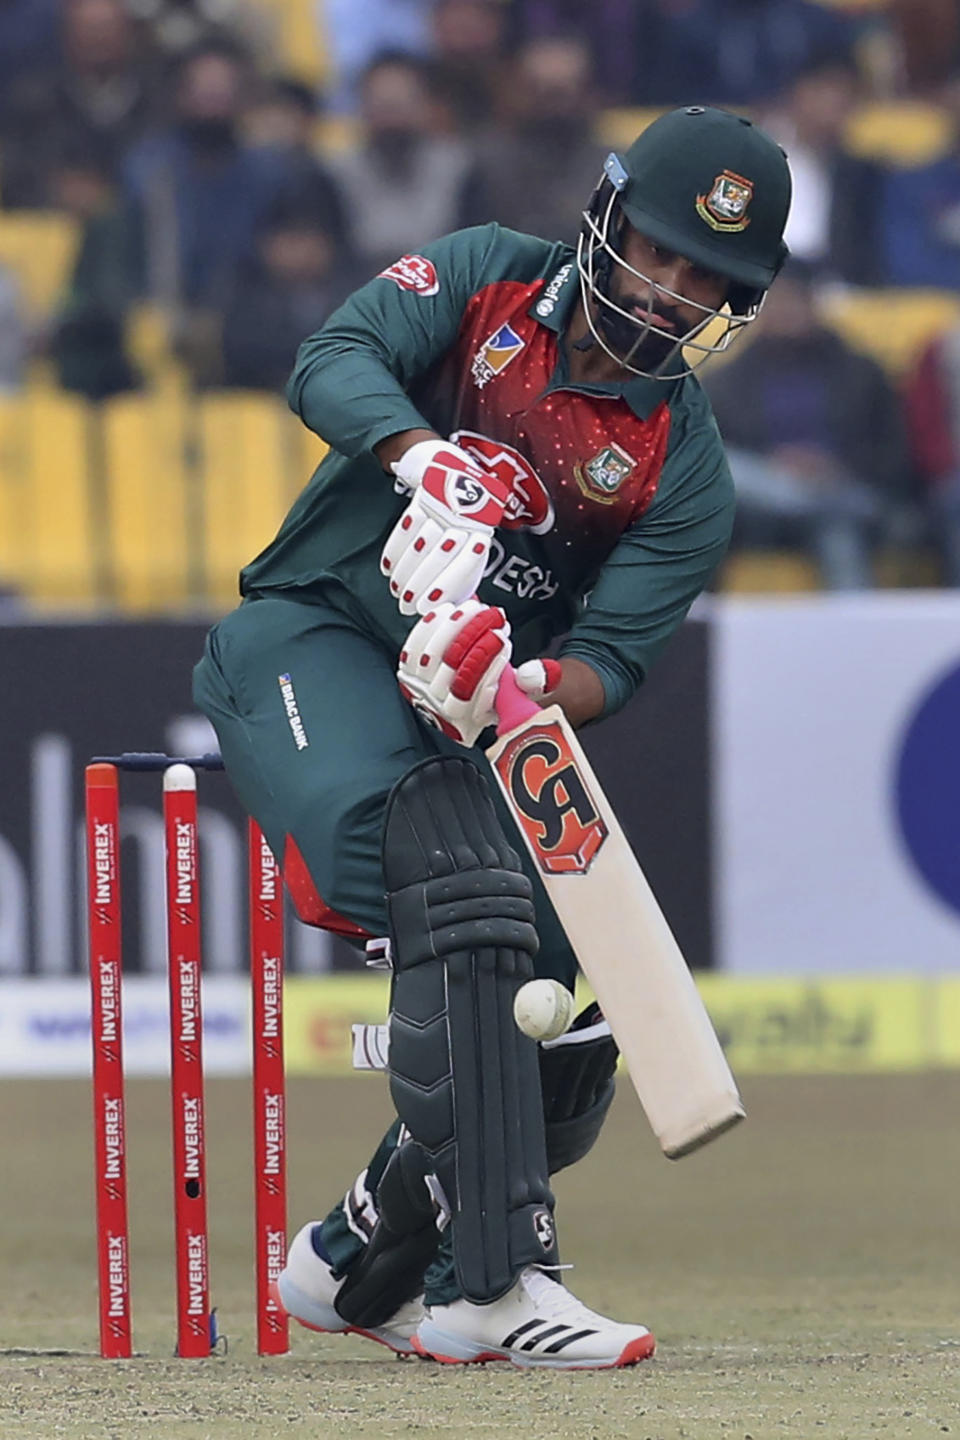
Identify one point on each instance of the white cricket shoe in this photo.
(537, 1323)
(306, 1288)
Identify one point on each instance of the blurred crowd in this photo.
(210, 177)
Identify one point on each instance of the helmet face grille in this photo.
(622, 334)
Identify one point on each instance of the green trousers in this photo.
(314, 734)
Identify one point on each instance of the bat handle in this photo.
(512, 705)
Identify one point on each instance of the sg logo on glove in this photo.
(465, 495)
(528, 505)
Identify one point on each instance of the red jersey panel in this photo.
(598, 463)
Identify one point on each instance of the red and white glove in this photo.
(538, 678)
(451, 664)
(437, 552)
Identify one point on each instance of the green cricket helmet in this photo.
(707, 185)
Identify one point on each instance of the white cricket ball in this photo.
(543, 1009)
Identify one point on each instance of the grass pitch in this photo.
(802, 1276)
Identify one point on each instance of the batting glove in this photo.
(451, 664)
(437, 552)
(538, 678)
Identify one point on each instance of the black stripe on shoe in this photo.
(559, 1345)
(520, 1330)
(544, 1335)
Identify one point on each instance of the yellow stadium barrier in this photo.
(147, 330)
(892, 326)
(332, 134)
(768, 572)
(149, 527)
(892, 132)
(619, 127)
(901, 567)
(247, 483)
(40, 248)
(301, 48)
(151, 502)
(47, 545)
(14, 493)
(306, 450)
(63, 539)
(899, 132)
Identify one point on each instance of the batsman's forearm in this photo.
(580, 693)
(347, 396)
(396, 445)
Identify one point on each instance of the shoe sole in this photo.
(325, 1320)
(642, 1348)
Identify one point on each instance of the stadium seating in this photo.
(768, 572)
(151, 502)
(249, 479)
(892, 326)
(40, 247)
(620, 127)
(901, 132)
(299, 44)
(147, 517)
(148, 344)
(891, 132)
(48, 547)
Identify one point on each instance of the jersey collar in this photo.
(553, 308)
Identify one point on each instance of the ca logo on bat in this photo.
(552, 801)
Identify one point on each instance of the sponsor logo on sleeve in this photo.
(413, 272)
(547, 303)
(528, 504)
(495, 355)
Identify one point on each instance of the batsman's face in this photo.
(675, 297)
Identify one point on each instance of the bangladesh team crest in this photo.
(602, 477)
(495, 355)
(724, 207)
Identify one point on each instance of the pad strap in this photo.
(390, 1270)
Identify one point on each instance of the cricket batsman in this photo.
(519, 451)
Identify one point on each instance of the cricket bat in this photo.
(617, 930)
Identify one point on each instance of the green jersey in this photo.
(621, 499)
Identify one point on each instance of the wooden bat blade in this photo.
(618, 932)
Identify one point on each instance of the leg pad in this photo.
(464, 1079)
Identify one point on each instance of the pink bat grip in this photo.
(513, 707)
